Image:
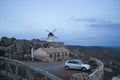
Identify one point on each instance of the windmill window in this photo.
(54, 56)
(51, 56)
(58, 54)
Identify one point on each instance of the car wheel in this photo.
(83, 69)
(66, 67)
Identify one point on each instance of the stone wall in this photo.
(97, 74)
(55, 44)
(80, 76)
(51, 54)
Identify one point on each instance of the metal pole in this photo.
(16, 72)
(32, 53)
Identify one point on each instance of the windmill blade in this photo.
(47, 30)
(55, 37)
(53, 30)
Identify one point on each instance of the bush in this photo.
(2, 52)
(93, 64)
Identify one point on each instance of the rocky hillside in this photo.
(15, 48)
(18, 49)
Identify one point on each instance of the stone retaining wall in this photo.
(98, 73)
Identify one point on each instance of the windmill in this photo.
(51, 36)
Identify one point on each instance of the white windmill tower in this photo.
(51, 36)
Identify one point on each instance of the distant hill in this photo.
(113, 47)
(102, 53)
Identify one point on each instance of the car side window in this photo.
(69, 61)
(75, 62)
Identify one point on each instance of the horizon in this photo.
(79, 22)
(113, 47)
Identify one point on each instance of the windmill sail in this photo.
(51, 36)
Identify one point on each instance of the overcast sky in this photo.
(77, 22)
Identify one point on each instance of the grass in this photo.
(4, 78)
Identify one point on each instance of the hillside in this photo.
(109, 56)
(97, 51)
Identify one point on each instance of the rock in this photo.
(8, 55)
(36, 43)
(18, 48)
(80, 76)
(2, 52)
(6, 41)
(108, 69)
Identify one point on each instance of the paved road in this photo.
(57, 66)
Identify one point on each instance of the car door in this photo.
(70, 64)
(76, 65)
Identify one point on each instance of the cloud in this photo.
(111, 27)
(96, 22)
(85, 38)
(105, 25)
(90, 20)
(99, 38)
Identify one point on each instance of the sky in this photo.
(77, 22)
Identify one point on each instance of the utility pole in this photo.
(32, 53)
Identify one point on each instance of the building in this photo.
(50, 37)
(51, 54)
(55, 44)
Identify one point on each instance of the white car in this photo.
(76, 64)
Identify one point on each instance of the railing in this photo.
(18, 70)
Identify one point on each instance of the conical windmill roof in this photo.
(50, 34)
